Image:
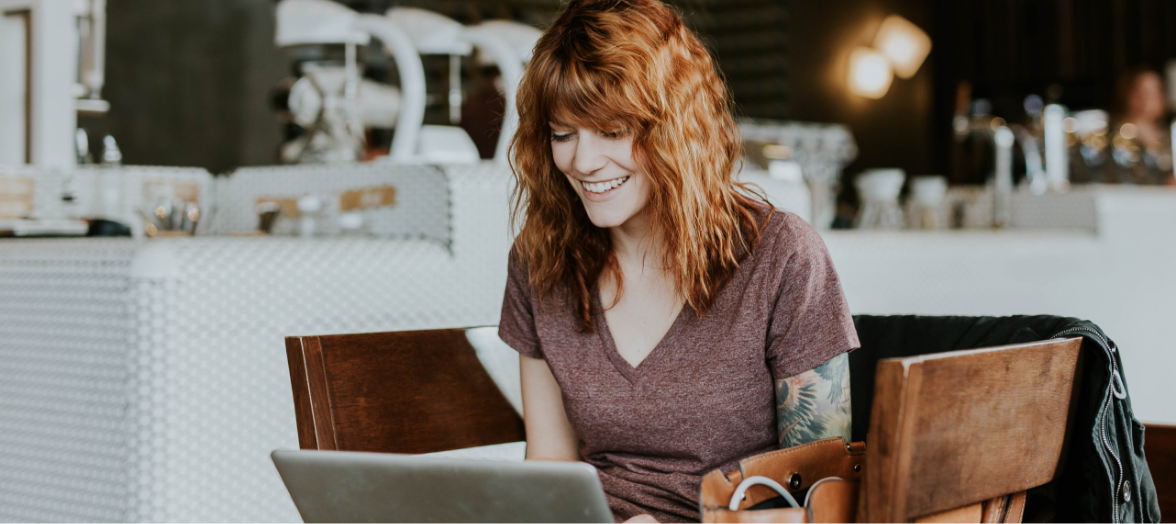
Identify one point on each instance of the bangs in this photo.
(578, 96)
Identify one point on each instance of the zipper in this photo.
(1096, 334)
(1102, 422)
(1107, 445)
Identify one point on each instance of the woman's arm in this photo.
(549, 434)
(815, 404)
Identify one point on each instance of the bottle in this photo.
(111, 154)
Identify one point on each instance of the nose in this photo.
(590, 155)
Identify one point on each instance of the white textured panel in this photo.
(64, 330)
(501, 363)
(218, 341)
(231, 389)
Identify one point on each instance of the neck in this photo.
(633, 240)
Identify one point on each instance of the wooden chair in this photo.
(960, 436)
(1160, 444)
(398, 392)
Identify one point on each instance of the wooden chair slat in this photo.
(397, 392)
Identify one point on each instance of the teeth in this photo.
(601, 187)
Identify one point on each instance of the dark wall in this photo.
(748, 37)
(750, 41)
(1015, 47)
(894, 131)
(188, 82)
(1066, 51)
(1070, 51)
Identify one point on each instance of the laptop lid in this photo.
(344, 486)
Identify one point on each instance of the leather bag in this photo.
(829, 468)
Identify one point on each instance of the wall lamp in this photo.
(900, 47)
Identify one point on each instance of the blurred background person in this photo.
(1141, 143)
(481, 112)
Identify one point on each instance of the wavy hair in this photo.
(630, 65)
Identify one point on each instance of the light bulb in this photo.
(904, 44)
(869, 73)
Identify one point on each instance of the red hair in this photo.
(630, 66)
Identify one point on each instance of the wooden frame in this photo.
(1160, 448)
(398, 392)
(953, 429)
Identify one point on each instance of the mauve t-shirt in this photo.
(704, 398)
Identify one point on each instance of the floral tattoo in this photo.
(815, 404)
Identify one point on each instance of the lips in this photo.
(605, 186)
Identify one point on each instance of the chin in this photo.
(606, 218)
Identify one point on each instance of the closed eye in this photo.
(561, 137)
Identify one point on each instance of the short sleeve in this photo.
(517, 325)
(810, 321)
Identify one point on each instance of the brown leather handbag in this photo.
(829, 468)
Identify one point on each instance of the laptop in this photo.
(345, 486)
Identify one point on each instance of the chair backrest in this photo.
(952, 429)
(397, 392)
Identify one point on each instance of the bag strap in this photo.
(793, 468)
(759, 481)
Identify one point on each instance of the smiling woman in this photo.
(668, 324)
(627, 83)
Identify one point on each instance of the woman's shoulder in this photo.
(785, 231)
(517, 269)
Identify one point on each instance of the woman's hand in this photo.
(644, 517)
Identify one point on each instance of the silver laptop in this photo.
(343, 486)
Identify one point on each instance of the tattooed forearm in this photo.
(815, 404)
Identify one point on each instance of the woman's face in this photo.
(600, 167)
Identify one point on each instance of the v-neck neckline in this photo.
(629, 371)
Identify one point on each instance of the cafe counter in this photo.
(146, 380)
(1120, 273)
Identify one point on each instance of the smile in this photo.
(604, 187)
